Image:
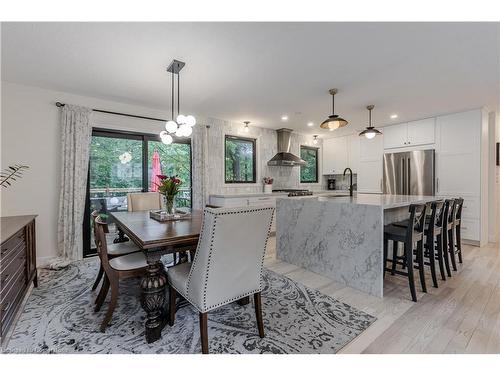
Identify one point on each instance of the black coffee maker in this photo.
(331, 184)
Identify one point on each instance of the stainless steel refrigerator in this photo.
(409, 173)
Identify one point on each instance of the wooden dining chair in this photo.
(227, 265)
(114, 250)
(115, 269)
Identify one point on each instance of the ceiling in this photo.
(260, 71)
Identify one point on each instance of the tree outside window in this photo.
(239, 160)
(309, 172)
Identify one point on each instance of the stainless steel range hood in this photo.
(284, 158)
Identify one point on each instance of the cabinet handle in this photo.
(437, 184)
(6, 307)
(405, 143)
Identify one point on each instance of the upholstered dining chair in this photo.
(144, 201)
(227, 265)
(116, 269)
(114, 250)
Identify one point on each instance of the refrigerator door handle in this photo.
(402, 177)
(408, 176)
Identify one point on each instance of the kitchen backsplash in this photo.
(341, 181)
(284, 177)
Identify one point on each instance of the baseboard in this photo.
(43, 261)
(472, 243)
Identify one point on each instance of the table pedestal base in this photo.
(153, 286)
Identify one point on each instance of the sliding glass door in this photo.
(122, 163)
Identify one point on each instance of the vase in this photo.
(268, 188)
(170, 204)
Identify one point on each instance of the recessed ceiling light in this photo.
(310, 124)
(394, 116)
(284, 117)
(331, 129)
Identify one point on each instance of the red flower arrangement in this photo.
(169, 185)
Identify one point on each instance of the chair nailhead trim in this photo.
(206, 211)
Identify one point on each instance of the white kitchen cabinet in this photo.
(353, 152)
(413, 133)
(395, 135)
(370, 164)
(335, 155)
(421, 132)
(459, 168)
(458, 159)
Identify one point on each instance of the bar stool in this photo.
(459, 203)
(433, 243)
(409, 236)
(449, 246)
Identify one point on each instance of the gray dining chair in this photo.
(227, 265)
(144, 201)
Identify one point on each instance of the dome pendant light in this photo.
(182, 125)
(333, 121)
(370, 132)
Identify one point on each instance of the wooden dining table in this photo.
(155, 239)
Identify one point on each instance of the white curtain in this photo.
(76, 132)
(200, 166)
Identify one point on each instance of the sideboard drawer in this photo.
(10, 269)
(10, 300)
(11, 243)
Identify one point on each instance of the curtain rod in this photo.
(59, 104)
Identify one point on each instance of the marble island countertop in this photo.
(385, 201)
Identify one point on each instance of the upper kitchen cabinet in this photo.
(395, 135)
(335, 155)
(413, 133)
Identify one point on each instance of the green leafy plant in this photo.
(11, 173)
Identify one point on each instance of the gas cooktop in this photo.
(294, 192)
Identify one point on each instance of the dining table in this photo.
(157, 238)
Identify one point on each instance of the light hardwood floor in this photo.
(461, 316)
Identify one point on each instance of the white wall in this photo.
(30, 135)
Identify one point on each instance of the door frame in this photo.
(145, 138)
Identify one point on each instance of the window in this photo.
(121, 163)
(309, 172)
(239, 165)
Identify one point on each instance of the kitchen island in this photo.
(340, 237)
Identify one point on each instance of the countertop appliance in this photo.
(409, 173)
(294, 192)
(284, 157)
(331, 184)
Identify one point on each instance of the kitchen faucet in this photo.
(350, 180)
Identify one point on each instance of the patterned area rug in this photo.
(59, 318)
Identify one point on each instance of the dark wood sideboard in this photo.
(17, 266)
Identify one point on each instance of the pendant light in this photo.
(182, 125)
(246, 129)
(370, 131)
(333, 121)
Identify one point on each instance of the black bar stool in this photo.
(409, 236)
(459, 203)
(433, 238)
(450, 231)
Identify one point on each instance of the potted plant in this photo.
(268, 184)
(169, 188)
